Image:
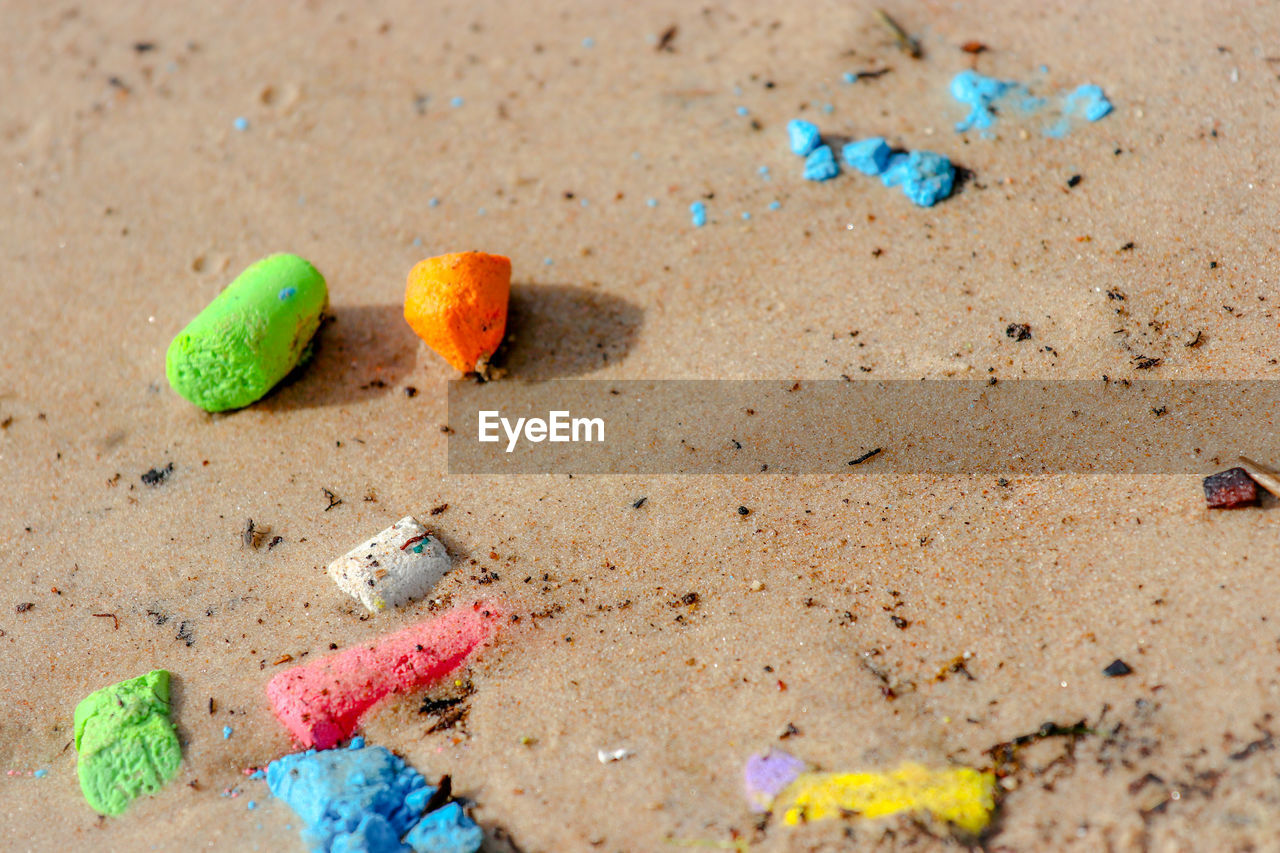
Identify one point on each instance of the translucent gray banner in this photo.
(860, 427)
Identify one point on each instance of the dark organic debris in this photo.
(667, 39)
(156, 476)
(1018, 331)
(864, 457)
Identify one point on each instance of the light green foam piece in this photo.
(250, 336)
(127, 744)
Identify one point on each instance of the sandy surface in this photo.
(131, 199)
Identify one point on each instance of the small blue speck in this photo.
(357, 742)
(433, 202)
(226, 732)
(828, 108)
(40, 774)
(455, 101)
(258, 774)
(635, 155)
(241, 124)
(652, 202)
(547, 261)
(743, 111)
(774, 205)
(583, 202)
(849, 77)
(737, 90)
(251, 805)
(745, 216)
(417, 241)
(481, 211)
(764, 172)
(699, 212)
(588, 42)
(286, 293)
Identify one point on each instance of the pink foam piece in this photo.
(322, 702)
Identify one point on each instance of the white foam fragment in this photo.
(398, 565)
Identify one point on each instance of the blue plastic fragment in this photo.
(226, 732)
(743, 111)
(849, 77)
(979, 92)
(456, 101)
(445, 830)
(774, 205)
(924, 176)
(699, 212)
(803, 136)
(367, 799)
(241, 124)
(868, 156)
(821, 164)
(1089, 101)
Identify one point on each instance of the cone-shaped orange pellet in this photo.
(458, 305)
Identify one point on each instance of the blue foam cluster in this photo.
(924, 176)
(1089, 101)
(979, 93)
(367, 799)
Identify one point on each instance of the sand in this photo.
(132, 199)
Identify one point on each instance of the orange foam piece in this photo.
(322, 702)
(458, 304)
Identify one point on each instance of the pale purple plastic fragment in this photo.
(765, 776)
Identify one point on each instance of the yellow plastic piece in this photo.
(958, 795)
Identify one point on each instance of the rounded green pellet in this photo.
(250, 336)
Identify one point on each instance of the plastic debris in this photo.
(400, 564)
(1089, 101)
(767, 776)
(979, 93)
(365, 798)
(821, 164)
(924, 176)
(126, 742)
(607, 756)
(959, 796)
(322, 702)
(803, 136)
(457, 304)
(868, 156)
(698, 211)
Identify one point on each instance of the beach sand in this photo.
(834, 605)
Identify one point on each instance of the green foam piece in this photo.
(250, 336)
(127, 743)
